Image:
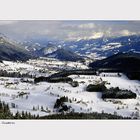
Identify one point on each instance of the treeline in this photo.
(25, 115)
(66, 73)
(53, 80)
(63, 76)
(4, 73)
(87, 116)
(6, 114)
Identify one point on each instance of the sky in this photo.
(67, 30)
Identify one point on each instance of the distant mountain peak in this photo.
(64, 55)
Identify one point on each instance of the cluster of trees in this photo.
(5, 111)
(25, 115)
(22, 94)
(60, 104)
(117, 93)
(114, 93)
(135, 115)
(46, 109)
(96, 88)
(6, 114)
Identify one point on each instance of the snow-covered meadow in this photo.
(31, 97)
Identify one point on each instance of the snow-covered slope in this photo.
(45, 94)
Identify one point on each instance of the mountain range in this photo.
(95, 49)
(105, 46)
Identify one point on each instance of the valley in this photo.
(97, 77)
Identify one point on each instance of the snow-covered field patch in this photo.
(31, 97)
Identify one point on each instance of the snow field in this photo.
(45, 94)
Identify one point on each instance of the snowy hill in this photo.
(50, 48)
(64, 55)
(44, 95)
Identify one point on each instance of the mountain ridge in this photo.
(129, 61)
(10, 50)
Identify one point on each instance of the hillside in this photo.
(12, 51)
(124, 61)
(64, 55)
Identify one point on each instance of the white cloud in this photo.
(126, 33)
(87, 26)
(97, 35)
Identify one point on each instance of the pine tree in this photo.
(29, 116)
(17, 115)
(37, 117)
(23, 115)
(0, 105)
(33, 108)
(42, 108)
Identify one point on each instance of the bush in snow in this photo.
(13, 105)
(74, 84)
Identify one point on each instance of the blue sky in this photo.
(67, 29)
